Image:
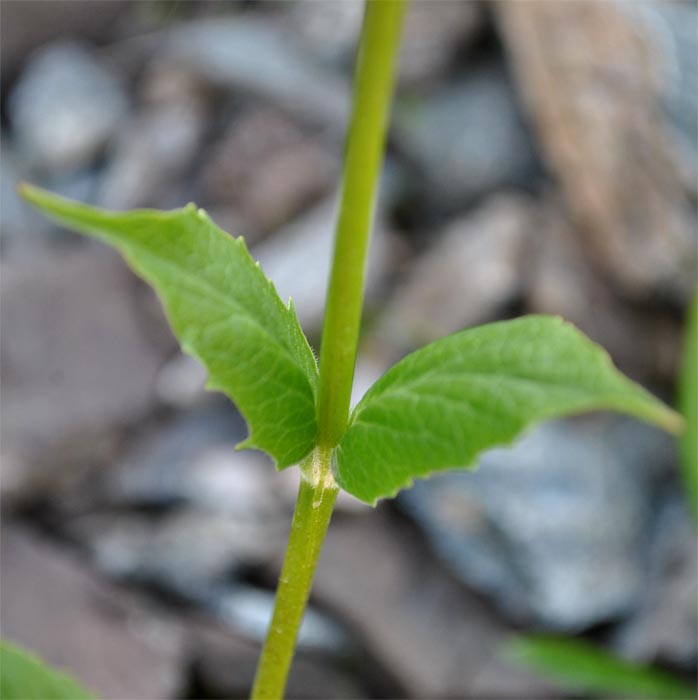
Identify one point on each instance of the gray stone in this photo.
(220, 509)
(670, 26)
(596, 105)
(330, 29)
(665, 628)
(268, 170)
(113, 642)
(298, 258)
(77, 365)
(27, 26)
(192, 460)
(65, 107)
(22, 230)
(467, 138)
(181, 382)
(561, 280)
(156, 146)
(473, 270)
(430, 634)
(433, 35)
(161, 467)
(251, 55)
(186, 552)
(554, 529)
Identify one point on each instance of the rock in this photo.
(224, 666)
(427, 632)
(467, 138)
(76, 364)
(669, 26)
(80, 185)
(65, 107)
(433, 34)
(22, 230)
(192, 460)
(112, 642)
(156, 146)
(268, 170)
(556, 528)
(30, 25)
(588, 74)
(181, 382)
(330, 30)
(184, 553)
(561, 280)
(253, 56)
(474, 269)
(664, 629)
(216, 510)
(298, 258)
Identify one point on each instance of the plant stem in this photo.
(373, 87)
(316, 497)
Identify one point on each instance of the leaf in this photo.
(585, 668)
(24, 676)
(688, 400)
(222, 308)
(442, 405)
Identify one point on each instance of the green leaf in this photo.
(688, 400)
(442, 405)
(23, 676)
(222, 308)
(585, 668)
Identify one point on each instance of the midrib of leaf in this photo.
(418, 389)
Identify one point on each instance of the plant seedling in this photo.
(437, 409)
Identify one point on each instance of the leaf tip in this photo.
(29, 192)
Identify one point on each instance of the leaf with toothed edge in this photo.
(223, 310)
(442, 405)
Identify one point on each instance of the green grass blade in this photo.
(585, 668)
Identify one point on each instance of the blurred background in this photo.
(543, 157)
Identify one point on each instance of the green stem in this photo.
(316, 497)
(373, 87)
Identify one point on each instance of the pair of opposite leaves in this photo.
(436, 409)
